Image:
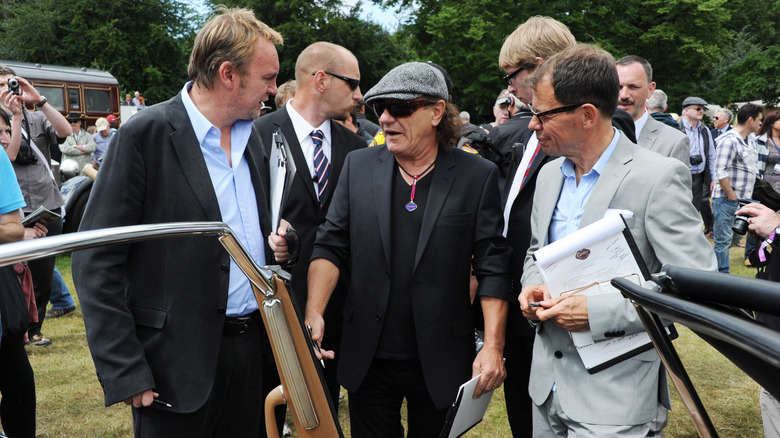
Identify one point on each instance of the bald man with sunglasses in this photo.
(406, 223)
(328, 87)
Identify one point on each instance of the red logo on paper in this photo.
(582, 254)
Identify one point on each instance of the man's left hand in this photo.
(569, 312)
(489, 363)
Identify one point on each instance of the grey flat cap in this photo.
(409, 81)
(693, 100)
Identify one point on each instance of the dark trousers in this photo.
(42, 271)
(705, 208)
(235, 402)
(17, 386)
(375, 408)
(697, 184)
(518, 352)
(271, 380)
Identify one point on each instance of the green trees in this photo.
(721, 50)
(696, 47)
(143, 43)
(302, 22)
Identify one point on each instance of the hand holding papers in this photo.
(41, 215)
(467, 411)
(581, 265)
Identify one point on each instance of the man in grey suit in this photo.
(636, 86)
(575, 96)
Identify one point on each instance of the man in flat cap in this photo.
(702, 154)
(409, 220)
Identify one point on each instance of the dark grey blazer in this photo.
(154, 311)
(462, 218)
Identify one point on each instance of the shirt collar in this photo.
(688, 126)
(639, 124)
(302, 128)
(200, 124)
(567, 167)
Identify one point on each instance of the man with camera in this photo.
(29, 152)
(702, 150)
(735, 169)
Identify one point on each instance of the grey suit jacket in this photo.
(665, 140)
(667, 229)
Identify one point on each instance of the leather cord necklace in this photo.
(411, 206)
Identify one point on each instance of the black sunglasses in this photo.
(398, 108)
(353, 83)
(561, 109)
(508, 78)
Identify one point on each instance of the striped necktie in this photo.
(321, 164)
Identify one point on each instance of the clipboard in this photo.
(466, 412)
(564, 266)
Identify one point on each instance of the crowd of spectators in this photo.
(571, 117)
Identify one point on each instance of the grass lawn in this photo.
(70, 400)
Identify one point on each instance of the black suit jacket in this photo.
(303, 210)
(154, 311)
(462, 218)
(519, 237)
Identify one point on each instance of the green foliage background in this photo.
(722, 50)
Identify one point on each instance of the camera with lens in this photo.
(696, 159)
(13, 85)
(741, 222)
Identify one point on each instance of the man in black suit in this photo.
(321, 95)
(406, 223)
(530, 44)
(721, 122)
(176, 318)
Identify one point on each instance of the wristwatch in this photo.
(41, 103)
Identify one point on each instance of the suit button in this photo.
(225, 268)
(378, 318)
(620, 333)
(387, 273)
(609, 334)
(558, 355)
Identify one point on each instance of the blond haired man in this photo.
(173, 327)
(524, 50)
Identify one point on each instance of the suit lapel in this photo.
(260, 171)
(548, 203)
(193, 165)
(383, 177)
(297, 152)
(443, 177)
(337, 156)
(649, 134)
(609, 182)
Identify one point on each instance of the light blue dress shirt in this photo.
(235, 195)
(573, 197)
